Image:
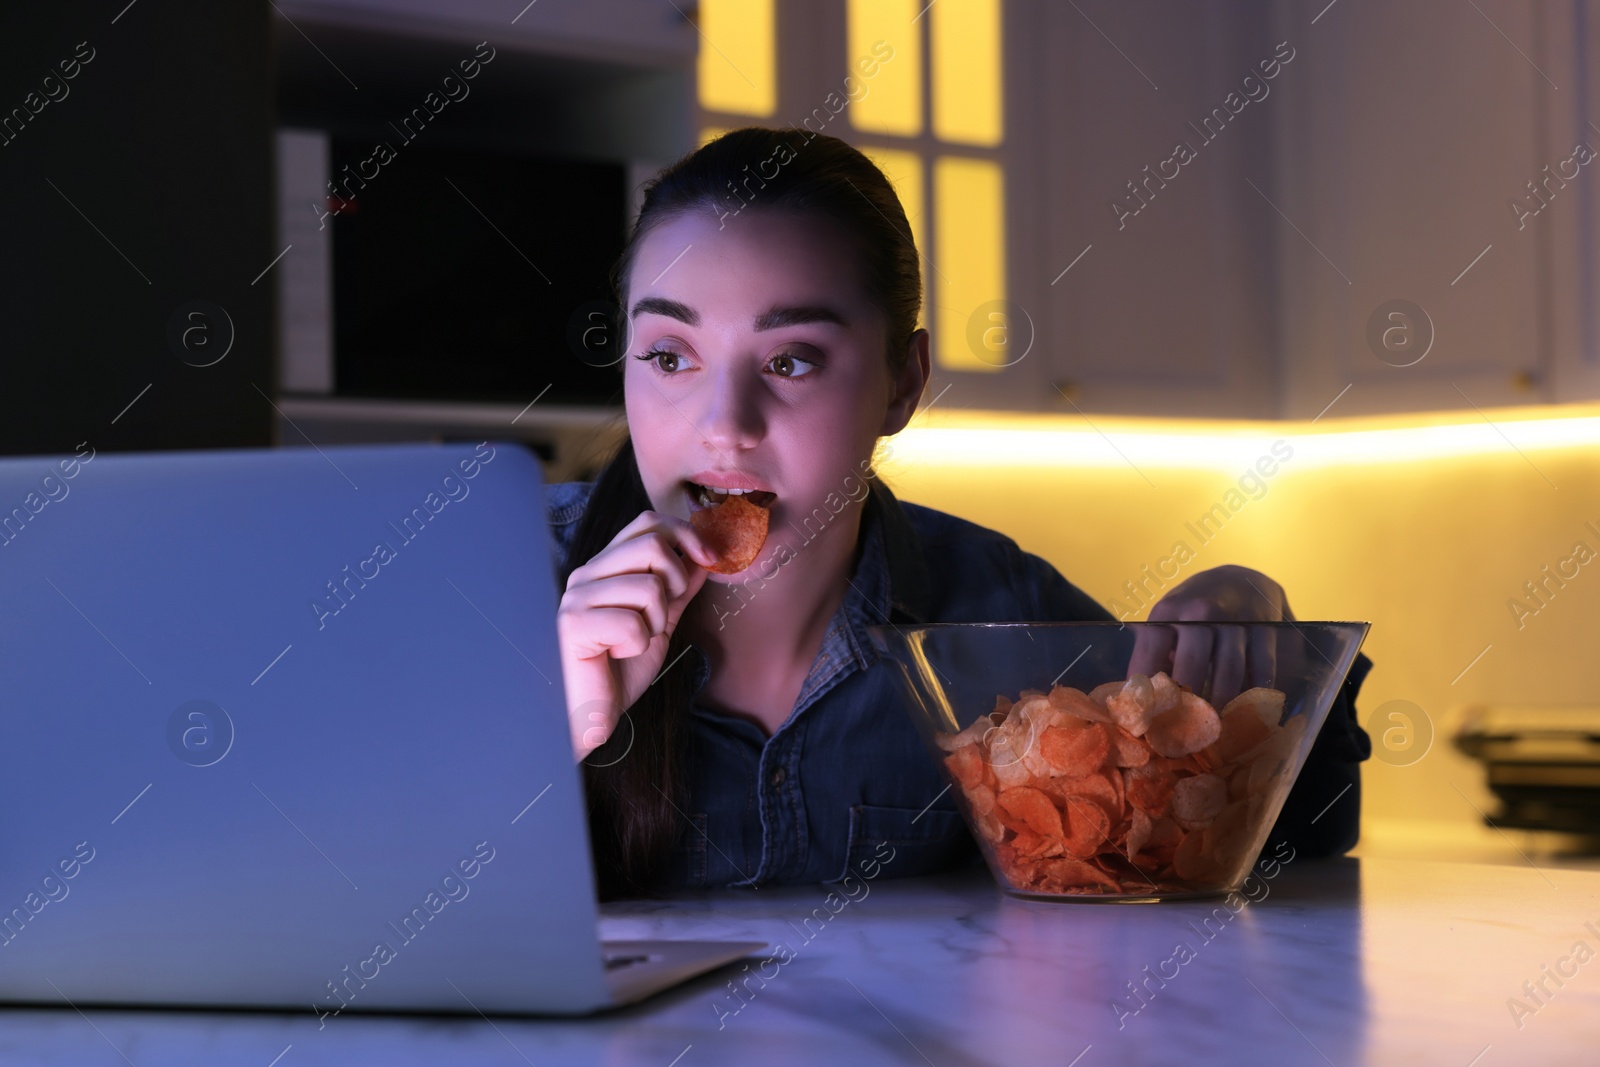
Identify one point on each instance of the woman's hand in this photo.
(1222, 661)
(616, 617)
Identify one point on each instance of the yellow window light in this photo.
(972, 333)
(891, 88)
(738, 63)
(711, 133)
(966, 64)
(948, 436)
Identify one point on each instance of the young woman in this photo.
(742, 731)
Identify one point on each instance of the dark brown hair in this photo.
(636, 783)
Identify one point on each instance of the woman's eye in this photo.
(791, 366)
(665, 361)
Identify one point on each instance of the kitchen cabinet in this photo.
(610, 80)
(609, 83)
(1157, 298)
(637, 32)
(1343, 229)
(1410, 135)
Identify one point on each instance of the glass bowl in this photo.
(1086, 773)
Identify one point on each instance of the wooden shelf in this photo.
(572, 441)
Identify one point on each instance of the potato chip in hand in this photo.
(734, 530)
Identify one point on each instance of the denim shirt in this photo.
(846, 781)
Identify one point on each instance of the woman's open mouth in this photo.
(731, 521)
(703, 496)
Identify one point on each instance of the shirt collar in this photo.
(891, 583)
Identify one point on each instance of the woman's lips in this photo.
(708, 488)
(703, 496)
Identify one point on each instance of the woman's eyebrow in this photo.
(660, 305)
(779, 317)
(772, 319)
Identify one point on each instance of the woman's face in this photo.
(755, 361)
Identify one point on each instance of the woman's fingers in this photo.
(599, 688)
(644, 592)
(675, 608)
(1262, 669)
(593, 701)
(1152, 650)
(617, 615)
(1191, 661)
(679, 537)
(621, 633)
(650, 553)
(1227, 664)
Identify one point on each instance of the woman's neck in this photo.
(762, 633)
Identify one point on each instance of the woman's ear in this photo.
(908, 385)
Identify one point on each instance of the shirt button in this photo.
(776, 777)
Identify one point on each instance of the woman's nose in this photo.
(732, 416)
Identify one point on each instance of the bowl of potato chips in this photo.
(1086, 771)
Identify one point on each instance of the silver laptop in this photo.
(285, 728)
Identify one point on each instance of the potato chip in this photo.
(1187, 727)
(981, 798)
(1034, 709)
(1130, 706)
(1265, 704)
(969, 736)
(1265, 768)
(1101, 693)
(1087, 827)
(1015, 867)
(1009, 742)
(1096, 788)
(1129, 751)
(1164, 693)
(991, 828)
(734, 530)
(966, 766)
(1011, 775)
(1075, 702)
(1191, 860)
(1149, 789)
(1197, 800)
(1031, 845)
(1138, 833)
(1165, 832)
(1232, 835)
(1074, 750)
(1242, 730)
(1111, 774)
(1069, 873)
(1032, 808)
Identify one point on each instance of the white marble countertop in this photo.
(1343, 962)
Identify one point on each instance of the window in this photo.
(737, 71)
(960, 88)
(931, 119)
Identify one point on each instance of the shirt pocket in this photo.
(902, 842)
